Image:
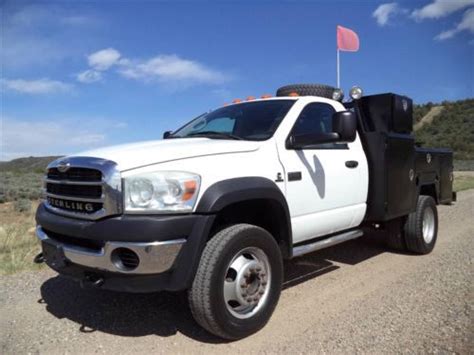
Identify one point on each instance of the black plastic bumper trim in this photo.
(125, 228)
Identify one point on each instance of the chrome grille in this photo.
(94, 191)
(88, 188)
(75, 174)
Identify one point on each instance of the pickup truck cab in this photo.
(216, 206)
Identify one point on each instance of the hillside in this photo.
(428, 118)
(450, 127)
(26, 165)
(21, 180)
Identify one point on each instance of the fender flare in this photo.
(227, 192)
(429, 184)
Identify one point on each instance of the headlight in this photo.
(161, 192)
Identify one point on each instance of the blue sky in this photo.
(82, 74)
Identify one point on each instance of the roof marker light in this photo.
(337, 95)
(356, 93)
(236, 101)
(293, 94)
(266, 96)
(250, 98)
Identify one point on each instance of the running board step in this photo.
(326, 243)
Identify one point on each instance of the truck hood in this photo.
(135, 155)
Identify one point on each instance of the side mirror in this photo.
(344, 126)
(167, 134)
(344, 123)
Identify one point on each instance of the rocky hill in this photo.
(26, 165)
(448, 124)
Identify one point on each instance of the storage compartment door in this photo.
(401, 182)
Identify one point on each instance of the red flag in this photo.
(347, 40)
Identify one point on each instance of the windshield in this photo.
(249, 121)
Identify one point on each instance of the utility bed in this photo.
(399, 171)
(436, 164)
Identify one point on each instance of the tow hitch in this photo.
(39, 259)
(92, 281)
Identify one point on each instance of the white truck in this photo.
(216, 206)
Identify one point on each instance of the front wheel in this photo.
(238, 282)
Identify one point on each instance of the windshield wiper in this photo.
(213, 134)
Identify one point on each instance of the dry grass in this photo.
(18, 244)
(463, 180)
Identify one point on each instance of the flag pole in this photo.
(338, 71)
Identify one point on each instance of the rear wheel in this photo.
(238, 282)
(421, 227)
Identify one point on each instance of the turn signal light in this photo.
(189, 190)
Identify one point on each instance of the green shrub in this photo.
(452, 128)
(15, 186)
(22, 205)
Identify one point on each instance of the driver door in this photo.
(321, 189)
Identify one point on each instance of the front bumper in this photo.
(152, 257)
(168, 248)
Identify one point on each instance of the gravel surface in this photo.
(352, 298)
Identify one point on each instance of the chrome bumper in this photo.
(154, 257)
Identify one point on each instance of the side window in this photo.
(317, 118)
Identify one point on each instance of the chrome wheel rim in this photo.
(247, 283)
(428, 227)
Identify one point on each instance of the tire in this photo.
(394, 235)
(237, 250)
(421, 227)
(306, 90)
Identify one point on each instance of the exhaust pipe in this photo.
(92, 281)
(39, 259)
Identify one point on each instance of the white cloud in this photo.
(33, 35)
(22, 138)
(168, 68)
(171, 69)
(89, 76)
(383, 13)
(78, 20)
(35, 87)
(87, 138)
(103, 59)
(440, 8)
(466, 24)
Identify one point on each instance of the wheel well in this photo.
(429, 190)
(265, 213)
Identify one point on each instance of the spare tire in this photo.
(307, 90)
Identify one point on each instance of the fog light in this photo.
(125, 259)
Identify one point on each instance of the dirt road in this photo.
(355, 297)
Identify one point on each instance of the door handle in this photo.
(352, 164)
